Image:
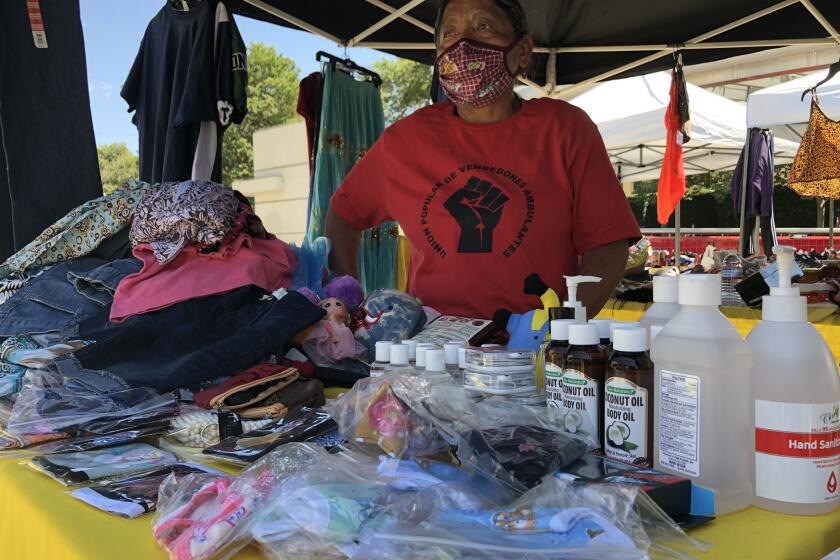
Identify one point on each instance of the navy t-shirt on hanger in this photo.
(176, 84)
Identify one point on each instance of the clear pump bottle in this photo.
(796, 392)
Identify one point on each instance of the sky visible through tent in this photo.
(113, 30)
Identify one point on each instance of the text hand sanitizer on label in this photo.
(796, 397)
(796, 452)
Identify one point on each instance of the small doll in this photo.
(332, 341)
(336, 310)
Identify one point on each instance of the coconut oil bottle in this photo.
(628, 399)
(583, 382)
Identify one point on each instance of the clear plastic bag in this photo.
(298, 426)
(82, 467)
(556, 519)
(48, 402)
(319, 512)
(197, 427)
(378, 411)
(137, 494)
(209, 516)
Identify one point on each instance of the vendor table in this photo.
(41, 521)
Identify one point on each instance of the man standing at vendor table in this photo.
(489, 188)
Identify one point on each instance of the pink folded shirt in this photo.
(241, 261)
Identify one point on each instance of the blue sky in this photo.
(113, 30)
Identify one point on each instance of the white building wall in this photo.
(280, 186)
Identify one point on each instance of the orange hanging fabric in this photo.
(672, 176)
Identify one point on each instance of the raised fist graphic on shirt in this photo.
(477, 207)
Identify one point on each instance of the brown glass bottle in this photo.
(555, 358)
(583, 382)
(628, 400)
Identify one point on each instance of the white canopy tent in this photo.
(783, 109)
(630, 114)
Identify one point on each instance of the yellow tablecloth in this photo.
(40, 521)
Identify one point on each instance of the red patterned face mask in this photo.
(473, 73)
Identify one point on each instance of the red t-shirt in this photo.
(485, 205)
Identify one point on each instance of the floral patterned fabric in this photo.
(179, 214)
(80, 232)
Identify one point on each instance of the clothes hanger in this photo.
(832, 71)
(350, 67)
(184, 5)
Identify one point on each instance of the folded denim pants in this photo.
(196, 340)
(63, 295)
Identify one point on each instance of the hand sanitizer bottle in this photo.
(665, 302)
(702, 425)
(796, 390)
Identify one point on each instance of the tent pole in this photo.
(831, 220)
(294, 21)
(551, 72)
(665, 52)
(744, 168)
(821, 18)
(383, 22)
(412, 20)
(532, 84)
(677, 234)
(759, 43)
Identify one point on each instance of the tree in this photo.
(405, 86)
(116, 164)
(272, 99)
(708, 202)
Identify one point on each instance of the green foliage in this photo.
(708, 202)
(272, 99)
(116, 164)
(405, 86)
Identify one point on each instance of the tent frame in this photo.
(549, 89)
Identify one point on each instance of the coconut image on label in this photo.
(573, 422)
(618, 434)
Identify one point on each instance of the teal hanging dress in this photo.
(351, 121)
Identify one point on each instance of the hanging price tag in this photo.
(36, 22)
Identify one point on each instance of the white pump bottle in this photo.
(572, 283)
(796, 391)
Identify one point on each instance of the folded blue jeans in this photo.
(61, 296)
(193, 341)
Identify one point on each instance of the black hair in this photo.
(512, 8)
